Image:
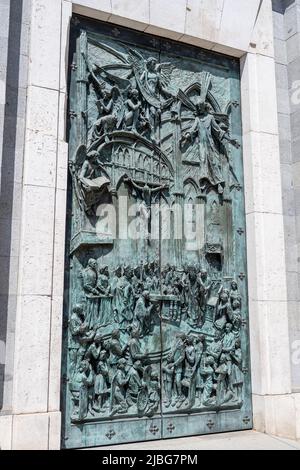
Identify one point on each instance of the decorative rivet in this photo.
(110, 434)
(171, 428)
(210, 424)
(246, 420)
(153, 429)
(240, 231)
(242, 276)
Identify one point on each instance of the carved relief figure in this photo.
(118, 402)
(89, 180)
(222, 388)
(199, 344)
(153, 81)
(206, 135)
(178, 357)
(236, 376)
(207, 372)
(108, 108)
(153, 394)
(102, 384)
(189, 379)
(89, 277)
(193, 308)
(223, 309)
(80, 337)
(80, 387)
(133, 111)
(205, 286)
(168, 373)
(134, 383)
(105, 310)
(116, 350)
(142, 313)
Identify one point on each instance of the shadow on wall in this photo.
(12, 140)
(280, 5)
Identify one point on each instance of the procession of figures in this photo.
(146, 338)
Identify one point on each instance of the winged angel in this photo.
(206, 136)
(144, 78)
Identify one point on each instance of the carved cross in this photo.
(116, 32)
(65, 379)
(171, 428)
(240, 231)
(246, 420)
(154, 42)
(154, 429)
(75, 21)
(210, 424)
(72, 114)
(110, 434)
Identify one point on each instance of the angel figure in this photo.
(206, 135)
(148, 76)
(108, 120)
(154, 80)
(133, 119)
(110, 104)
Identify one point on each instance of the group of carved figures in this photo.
(137, 103)
(121, 297)
(109, 377)
(106, 376)
(133, 103)
(129, 296)
(202, 374)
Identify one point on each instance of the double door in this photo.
(156, 340)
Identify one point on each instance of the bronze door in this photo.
(156, 340)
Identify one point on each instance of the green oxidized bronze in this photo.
(156, 339)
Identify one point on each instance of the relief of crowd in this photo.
(113, 374)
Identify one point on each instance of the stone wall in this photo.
(14, 40)
(286, 16)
